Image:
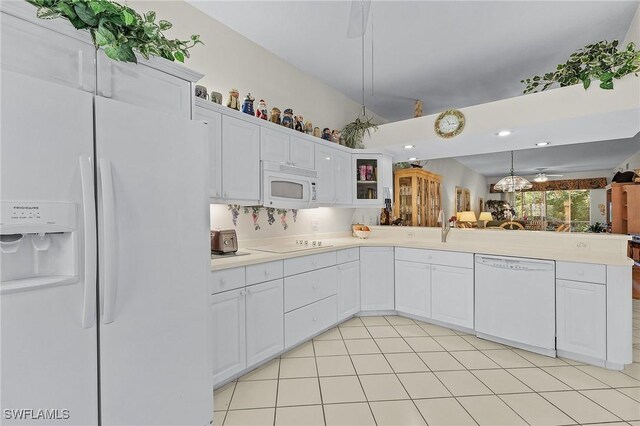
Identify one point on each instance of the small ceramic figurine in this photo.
(287, 120)
(216, 97)
(247, 105)
(201, 92)
(326, 134)
(335, 136)
(275, 115)
(233, 102)
(316, 132)
(298, 123)
(308, 128)
(261, 111)
(417, 109)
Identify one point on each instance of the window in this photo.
(555, 207)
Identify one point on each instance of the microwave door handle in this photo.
(310, 203)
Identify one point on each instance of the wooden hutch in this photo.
(418, 197)
(623, 208)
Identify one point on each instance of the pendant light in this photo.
(512, 183)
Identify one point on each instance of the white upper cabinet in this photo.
(240, 161)
(342, 172)
(279, 146)
(371, 179)
(39, 52)
(325, 166)
(214, 149)
(143, 85)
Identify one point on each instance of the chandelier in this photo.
(512, 183)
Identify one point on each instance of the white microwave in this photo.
(288, 187)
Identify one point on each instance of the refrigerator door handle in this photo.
(109, 271)
(90, 242)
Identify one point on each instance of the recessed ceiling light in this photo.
(504, 132)
(408, 146)
(542, 144)
(412, 159)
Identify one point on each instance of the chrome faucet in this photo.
(444, 227)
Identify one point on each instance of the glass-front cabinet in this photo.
(368, 178)
(418, 198)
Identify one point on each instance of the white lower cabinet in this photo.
(309, 320)
(265, 325)
(229, 348)
(348, 289)
(413, 288)
(452, 295)
(376, 279)
(581, 318)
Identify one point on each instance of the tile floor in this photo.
(396, 371)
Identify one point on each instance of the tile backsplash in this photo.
(260, 222)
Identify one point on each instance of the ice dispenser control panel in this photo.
(38, 245)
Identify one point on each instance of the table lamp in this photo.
(485, 217)
(469, 217)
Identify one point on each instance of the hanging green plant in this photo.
(118, 29)
(353, 133)
(599, 61)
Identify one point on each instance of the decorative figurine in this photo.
(308, 128)
(316, 132)
(201, 92)
(287, 120)
(298, 123)
(216, 97)
(275, 115)
(335, 136)
(247, 105)
(326, 134)
(417, 109)
(233, 102)
(261, 112)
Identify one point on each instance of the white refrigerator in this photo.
(104, 253)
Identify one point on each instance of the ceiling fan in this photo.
(541, 176)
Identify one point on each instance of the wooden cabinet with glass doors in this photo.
(417, 197)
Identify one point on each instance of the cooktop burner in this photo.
(299, 245)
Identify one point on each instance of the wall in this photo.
(307, 221)
(630, 163)
(229, 60)
(633, 35)
(455, 174)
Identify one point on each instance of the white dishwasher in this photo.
(515, 302)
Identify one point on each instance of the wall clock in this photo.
(449, 123)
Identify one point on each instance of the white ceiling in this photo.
(605, 155)
(449, 54)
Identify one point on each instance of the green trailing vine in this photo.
(118, 29)
(599, 61)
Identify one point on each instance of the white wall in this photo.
(327, 220)
(633, 35)
(455, 174)
(631, 163)
(229, 60)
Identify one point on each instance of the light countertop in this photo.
(482, 243)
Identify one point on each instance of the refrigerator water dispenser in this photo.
(38, 245)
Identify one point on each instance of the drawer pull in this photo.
(266, 273)
(223, 282)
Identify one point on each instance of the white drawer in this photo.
(435, 257)
(303, 323)
(587, 272)
(348, 255)
(299, 265)
(227, 279)
(309, 287)
(264, 272)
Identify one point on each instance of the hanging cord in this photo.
(364, 110)
(371, 10)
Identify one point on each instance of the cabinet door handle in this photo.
(223, 282)
(80, 73)
(226, 195)
(266, 273)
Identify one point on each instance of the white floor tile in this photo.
(506, 358)
(536, 410)
(423, 385)
(356, 414)
(269, 371)
(444, 412)
(355, 333)
(440, 361)
(369, 321)
(255, 417)
(330, 348)
(309, 415)
(352, 322)
(474, 360)
(396, 413)
(298, 392)
(335, 366)
(222, 397)
(621, 405)
(461, 383)
(412, 330)
(454, 343)
(362, 346)
(298, 367)
(382, 331)
(490, 410)
(254, 394)
(610, 377)
(423, 344)
(500, 381)
(406, 363)
(331, 334)
(341, 389)
(371, 364)
(538, 380)
(579, 407)
(393, 345)
(575, 378)
(383, 387)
